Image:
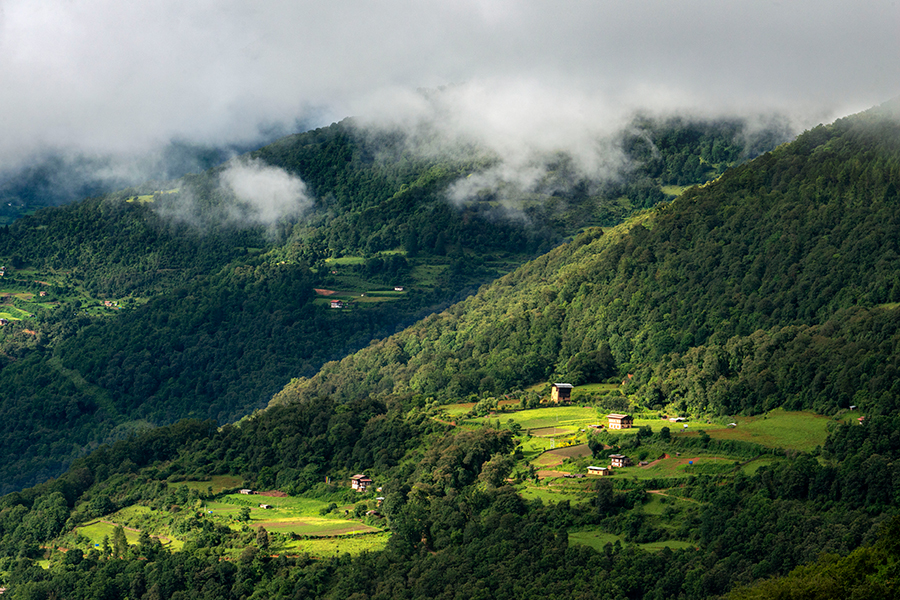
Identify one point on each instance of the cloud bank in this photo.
(109, 78)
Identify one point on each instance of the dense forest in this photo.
(777, 285)
(218, 313)
(458, 530)
(772, 286)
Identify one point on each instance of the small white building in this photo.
(360, 483)
(617, 421)
(619, 460)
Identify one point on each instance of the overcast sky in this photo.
(112, 76)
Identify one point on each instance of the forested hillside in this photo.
(211, 310)
(674, 297)
(776, 285)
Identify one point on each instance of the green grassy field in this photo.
(572, 490)
(426, 275)
(13, 313)
(594, 539)
(147, 198)
(598, 539)
(535, 446)
(674, 190)
(655, 505)
(755, 465)
(596, 388)
(134, 519)
(681, 466)
(459, 409)
(321, 548)
(290, 506)
(313, 526)
(291, 514)
(345, 260)
(799, 430)
(324, 535)
(564, 418)
(96, 530)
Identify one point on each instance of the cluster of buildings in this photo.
(614, 421)
(562, 392)
(615, 461)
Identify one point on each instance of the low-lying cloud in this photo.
(246, 193)
(107, 78)
(263, 194)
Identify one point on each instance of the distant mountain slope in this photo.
(805, 236)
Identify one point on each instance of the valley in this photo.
(743, 336)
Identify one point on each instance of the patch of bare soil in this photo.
(544, 474)
(572, 451)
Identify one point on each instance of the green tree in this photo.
(495, 471)
(120, 541)
(262, 538)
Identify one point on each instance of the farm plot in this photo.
(288, 515)
(555, 457)
(558, 490)
(579, 451)
(282, 507)
(794, 430)
(681, 466)
(133, 519)
(316, 526)
(98, 529)
(566, 419)
(324, 547)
